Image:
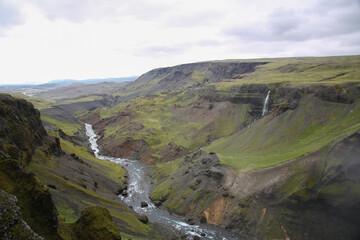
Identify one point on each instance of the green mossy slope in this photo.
(96, 223)
(273, 140)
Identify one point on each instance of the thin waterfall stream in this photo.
(266, 104)
(139, 191)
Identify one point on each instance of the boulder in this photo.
(143, 218)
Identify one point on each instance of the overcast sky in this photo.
(43, 40)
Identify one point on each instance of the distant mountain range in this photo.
(65, 82)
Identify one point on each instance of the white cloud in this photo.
(45, 40)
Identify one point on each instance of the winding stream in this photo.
(138, 191)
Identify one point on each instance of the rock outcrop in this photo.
(12, 225)
(178, 77)
(21, 132)
(21, 129)
(96, 223)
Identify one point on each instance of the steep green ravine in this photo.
(273, 140)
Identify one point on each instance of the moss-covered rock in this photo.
(34, 197)
(21, 128)
(143, 218)
(21, 132)
(96, 223)
(12, 225)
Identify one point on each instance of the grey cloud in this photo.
(160, 51)
(194, 19)
(283, 22)
(352, 40)
(316, 23)
(208, 43)
(81, 10)
(75, 11)
(10, 15)
(325, 6)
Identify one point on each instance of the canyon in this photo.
(261, 148)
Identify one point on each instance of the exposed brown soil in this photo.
(216, 210)
(121, 118)
(128, 148)
(171, 152)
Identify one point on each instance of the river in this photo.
(138, 191)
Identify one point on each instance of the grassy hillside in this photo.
(301, 71)
(273, 140)
(211, 100)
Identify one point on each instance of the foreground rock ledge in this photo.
(12, 226)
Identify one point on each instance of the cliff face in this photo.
(187, 76)
(21, 131)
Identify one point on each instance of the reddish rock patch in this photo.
(128, 148)
(172, 151)
(214, 213)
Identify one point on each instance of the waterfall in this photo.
(266, 104)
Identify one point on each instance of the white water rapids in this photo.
(138, 191)
(266, 104)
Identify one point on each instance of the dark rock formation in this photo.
(331, 94)
(178, 76)
(55, 148)
(12, 225)
(21, 128)
(143, 218)
(172, 151)
(21, 132)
